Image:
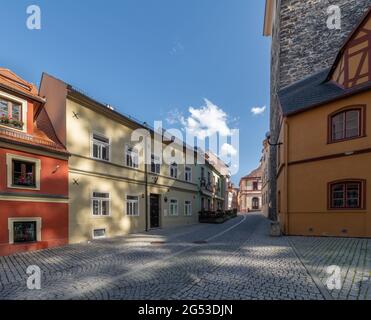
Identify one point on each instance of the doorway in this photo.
(255, 204)
(154, 211)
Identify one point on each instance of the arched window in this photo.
(346, 124)
(347, 194)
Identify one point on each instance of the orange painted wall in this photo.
(54, 231)
(304, 186)
(53, 183)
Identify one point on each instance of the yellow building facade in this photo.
(108, 196)
(324, 154)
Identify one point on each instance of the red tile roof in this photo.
(12, 81)
(43, 132)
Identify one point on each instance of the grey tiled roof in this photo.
(311, 91)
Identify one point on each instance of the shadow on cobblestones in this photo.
(241, 263)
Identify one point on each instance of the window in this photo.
(346, 125)
(23, 173)
(208, 177)
(202, 173)
(101, 147)
(346, 195)
(203, 204)
(99, 233)
(188, 174)
(11, 113)
(131, 156)
(155, 164)
(255, 185)
(101, 204)
(132, 206)
(173, 209)
(187, 208)
(24, 231)
(174, 170)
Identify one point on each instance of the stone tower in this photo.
(302, 44)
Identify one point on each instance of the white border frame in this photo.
(24, 110)
(92, 143)
(185, 171)
(9, 161)
(92, 207)
(177, 208)
(125, 205)
(96, 238)
(190, 202)
(28, 219)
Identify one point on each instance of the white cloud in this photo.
(206, 121)
(227, 150)
(258, 110)
(174, 116)
(177, 48)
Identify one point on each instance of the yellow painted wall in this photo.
(304, 207)
(117, 179)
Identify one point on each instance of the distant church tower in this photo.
(302, 44)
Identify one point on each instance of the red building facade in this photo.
(33, 171)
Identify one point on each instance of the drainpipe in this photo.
(146, 181)
(287, 175)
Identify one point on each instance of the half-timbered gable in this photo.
(352, 65)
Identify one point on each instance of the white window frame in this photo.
(9, 165)
(190, 174)
(130, 201)
(188, 204)
(100, 199)
(155, 158)
(29, 219)
(100, 144)
(173, 166)
(134, 165)
(99, 237)
(10, 97)
(171, 214)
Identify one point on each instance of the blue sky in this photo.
(152, 59)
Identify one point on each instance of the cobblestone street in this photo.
(236, 260)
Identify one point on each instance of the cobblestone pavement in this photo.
(353, 256)
(236, 260)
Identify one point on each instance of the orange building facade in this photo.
(324, 156)
(33, 171)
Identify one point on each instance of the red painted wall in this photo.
(30, 117)
(54, 228)
(54, 225)
(52, 182)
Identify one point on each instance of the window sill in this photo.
(10, 126)
(24, 188)
(346, 139)
(101, 217)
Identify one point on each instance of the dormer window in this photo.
(346, 124)
(11, 113)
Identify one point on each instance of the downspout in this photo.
(146, 181)
(287, 174)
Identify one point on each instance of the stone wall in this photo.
(302, 45)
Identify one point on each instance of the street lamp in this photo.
(268, 136)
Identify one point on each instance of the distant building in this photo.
(265, 178)
(250, 195)
(233, 197)
(225, 176)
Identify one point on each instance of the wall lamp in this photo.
(268, 136)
